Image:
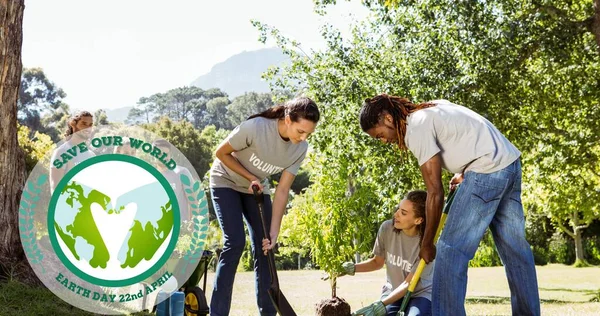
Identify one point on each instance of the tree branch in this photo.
(564, 229)
(555, 12)
(582, 227)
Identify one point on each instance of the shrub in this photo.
(561, 249)
(486, 255)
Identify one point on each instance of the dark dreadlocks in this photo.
(399, 108)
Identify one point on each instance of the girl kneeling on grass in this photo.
(397, 246)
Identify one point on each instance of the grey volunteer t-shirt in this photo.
(174, 179)
(460, 136)
(401, 254)
(261, 150)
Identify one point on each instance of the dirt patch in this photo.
(333, 307)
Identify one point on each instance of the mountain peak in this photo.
(242, 72)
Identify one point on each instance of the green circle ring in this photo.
(176, 220)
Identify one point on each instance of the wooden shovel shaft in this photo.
(281, 304)
(271, 258)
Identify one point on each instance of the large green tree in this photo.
(531, 67)
(143, 111)
(544, 95)
(55, 123)
(248, 104)
(37, 95)
(39, 98)
(183, 103)
(216, 112)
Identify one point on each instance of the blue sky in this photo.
(108, 54)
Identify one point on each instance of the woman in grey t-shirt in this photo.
(268, 143)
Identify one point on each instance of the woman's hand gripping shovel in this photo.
(422, 264)
(281, 304)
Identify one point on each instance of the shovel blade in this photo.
(282, 305)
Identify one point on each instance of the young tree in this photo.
(356, 182)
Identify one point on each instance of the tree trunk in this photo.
(356, 254)
(349, 193)
(579, 255)
(574, 231)
(596, 22)
(333, 286)
(12, 160)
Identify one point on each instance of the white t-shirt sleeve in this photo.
(379, 247)
(242, 136)
(422, 140)
(293, 169)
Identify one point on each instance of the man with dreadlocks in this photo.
(445, 135)
(78, 131)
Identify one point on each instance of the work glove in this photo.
(375, 309)
(349, 268)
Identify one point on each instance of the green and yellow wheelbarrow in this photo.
(194, 296)
(422, 264)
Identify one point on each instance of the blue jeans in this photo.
(485, 200)
(417, 306)
(232, 208)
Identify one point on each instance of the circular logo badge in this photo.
(110, 219)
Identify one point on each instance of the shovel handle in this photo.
(257, 194)
(413, 283)
(259, 197)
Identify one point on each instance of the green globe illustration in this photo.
(113, 220)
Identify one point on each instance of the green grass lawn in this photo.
(564, 291)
